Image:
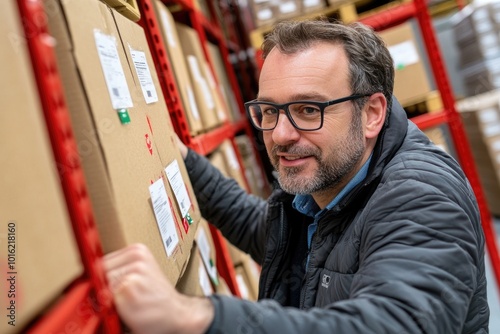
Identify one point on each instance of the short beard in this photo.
(331, 172)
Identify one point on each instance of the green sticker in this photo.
(189, 219)
(124, 116)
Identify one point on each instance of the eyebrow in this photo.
(297, 97)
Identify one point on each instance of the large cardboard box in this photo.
(481, 118)
(124, 135)
(225, 87)
(178, 63)
(411, 84)
(39, 257)
(201, 277)
(209, 101)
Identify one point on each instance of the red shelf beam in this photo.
(390, 17)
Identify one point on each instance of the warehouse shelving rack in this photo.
(449, 115)
(86, 306)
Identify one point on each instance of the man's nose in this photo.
(284, 133)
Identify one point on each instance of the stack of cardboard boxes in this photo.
(135, 175)
(39, 257)
(476, 30)
(205, 91)
(481, 118)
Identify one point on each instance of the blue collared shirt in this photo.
(305, 203)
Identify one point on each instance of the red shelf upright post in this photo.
(164, 69)
(89, 298)
(457, 131)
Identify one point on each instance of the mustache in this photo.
(296, 150)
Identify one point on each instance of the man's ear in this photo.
(376, 111)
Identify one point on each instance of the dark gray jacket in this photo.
(403, 252)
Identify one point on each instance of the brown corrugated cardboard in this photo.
(244, 285)
(38, 253)
(481, 118)
(195, 280)
(124, 163)
(411, 84)
(224, 84)
(178, 63)
(232, 164)
(197, 66)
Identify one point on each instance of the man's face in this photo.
(322, 160)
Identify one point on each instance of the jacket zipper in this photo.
(275, 255)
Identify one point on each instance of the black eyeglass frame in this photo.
(284, 107)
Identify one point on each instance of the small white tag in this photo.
(167, 28)
(178, 186)
(144, 75)
(404, 54)
(231, 156)
(192, 102)
(204, 248)
(113, 71)
(242, 286)
(201, 82)
(489, 115)
(205, 285)
(164, 216)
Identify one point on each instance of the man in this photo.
(374, 229)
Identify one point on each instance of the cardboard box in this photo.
(225, 87)
(195, 280)
(481, 118)
(201, 277)
(233, 166)
(178, 64)
(39, 257)
(411, 84)
(264, 12)
(247, 291)
(104, 60)
(253, 172)
(198, 66)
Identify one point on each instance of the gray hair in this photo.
(371, 67)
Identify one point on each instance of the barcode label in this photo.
(164, 216)
(144, 75)
(174, 176)
(113, 71)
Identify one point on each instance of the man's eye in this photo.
(269, 111)
(306, 110)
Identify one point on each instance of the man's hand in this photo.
(146, 301)
(182, 147)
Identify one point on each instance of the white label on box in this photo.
(288, 7)
(484, 26)
(192, 102)
(231, 156)
(480, 14)
(201, 82)
(144, 75)
(113, 71)
(205, 285)
(488, 115)
(242, 286)
(210, 77)
(311, 3)
(178, 186)
(265, 14)
(164, 216)
(404, 54)
(495, 145)
(167, 28)
(492, 130)
(204, 248)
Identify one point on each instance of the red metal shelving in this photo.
(86, 305)
(449, 116)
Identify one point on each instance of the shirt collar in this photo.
(305, 203)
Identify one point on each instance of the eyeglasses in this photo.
(304, 115)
